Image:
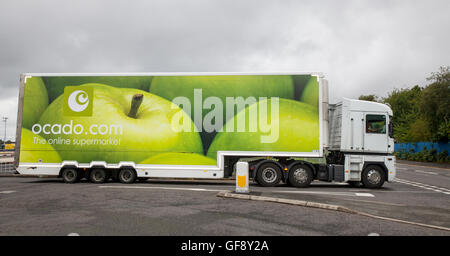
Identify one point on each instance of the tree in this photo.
(421, 114)
(370, 97)
(435, 104)
(405, 107)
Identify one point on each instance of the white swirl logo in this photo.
(78, 101)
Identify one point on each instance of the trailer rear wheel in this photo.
(127, 175)
(268, 175)
(70, 175)
(373, 176)
(98, 175)
(300, 176)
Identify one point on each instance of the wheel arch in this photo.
(66, 167)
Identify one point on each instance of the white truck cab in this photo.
(360, 138)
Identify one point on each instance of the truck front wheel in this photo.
(268, 175)
(373, 176)
(300, 176)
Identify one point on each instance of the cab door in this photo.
(356, 131)
(376, 133)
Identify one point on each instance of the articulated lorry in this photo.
(128, 127)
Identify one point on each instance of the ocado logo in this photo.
(78, 101)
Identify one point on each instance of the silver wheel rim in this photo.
(300, 175)
(70, 175)
(269, 175)
(98, 176)
(373, 176)
(126, 175)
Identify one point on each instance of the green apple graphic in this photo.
(125, 125)
(170, 87)
(35, 101)
(300, 82)
(172, 158)
(34, 148)
(310, 93)
(55, 84)
(298, 125)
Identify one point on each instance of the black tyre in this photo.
(373, 176)
(268, 175)
(300, 176)
(98, 175)
(127, 175)
(70, 175)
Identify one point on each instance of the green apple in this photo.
(35, 101)
(179, 159)
(310, 93)
(300, 82)
(298, 130)
(170, 87)
(126, 125)
(55, 84)
(34, 148)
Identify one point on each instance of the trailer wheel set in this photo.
(266, 173)
(125, 175)
(269, 173)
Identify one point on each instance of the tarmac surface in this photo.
(47, 206)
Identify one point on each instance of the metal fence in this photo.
(7, 162)
(7, 167)
(420, 146)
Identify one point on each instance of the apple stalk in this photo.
(135, 104)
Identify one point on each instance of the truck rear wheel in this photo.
(70, 175)
(373, 176)
(268, 175)
(300, 176)
(127, 175)
(98, 175)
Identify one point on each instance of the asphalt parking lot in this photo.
(47, 206)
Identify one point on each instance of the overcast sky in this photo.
(363, 47)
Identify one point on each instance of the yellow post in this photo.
(242, 177)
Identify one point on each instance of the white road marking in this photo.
(372, 202)
(325, 193)
(166, 188)
(373, 234)
(218, 190)
(73, 234)
(424, 186)
(423, 166)
(7, 192)
(426, 172)
(364, 194)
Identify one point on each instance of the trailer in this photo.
(134, 126)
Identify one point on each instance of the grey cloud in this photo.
(361, 46)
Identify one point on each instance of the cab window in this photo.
(376, 124)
